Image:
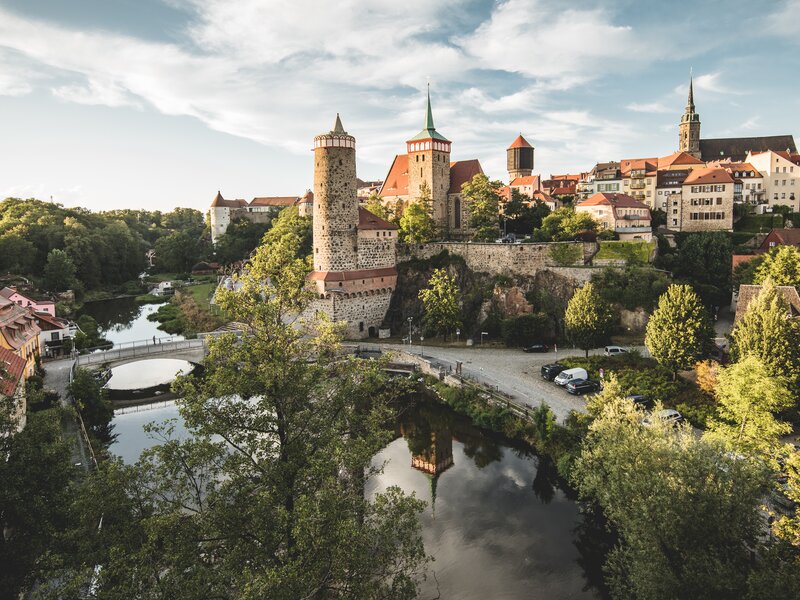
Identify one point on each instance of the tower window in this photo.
(423, 158)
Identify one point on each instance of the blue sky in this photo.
(160, 103)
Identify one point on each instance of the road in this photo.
(511, 371)
(57, 378)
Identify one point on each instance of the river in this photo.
(123, 320)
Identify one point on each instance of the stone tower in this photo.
(429, 164)
(335, 212)
(689, 130)
(519, 158)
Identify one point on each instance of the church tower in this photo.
(689, 129)
(429, 165)
(519, 159)
(335, 203)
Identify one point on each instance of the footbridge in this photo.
(191, 350)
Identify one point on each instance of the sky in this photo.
(160, 103)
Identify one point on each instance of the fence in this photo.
(145, 348)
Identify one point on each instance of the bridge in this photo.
(191, 350)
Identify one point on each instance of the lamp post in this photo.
(410, 320)
(458, 335)
(483, 333)
(421, 346)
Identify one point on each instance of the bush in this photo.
(565, 255)
(525, 329)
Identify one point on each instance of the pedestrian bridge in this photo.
(191, 350)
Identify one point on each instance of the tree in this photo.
(704, 260)
(588, 318)
(766, 330)
(565, 224)
(687, 513)
(375, 205)
(679, 331)
(93, 404)
(748, 396)
(59, 272)
(35, 497)
(178, 252)
(565, 255)
(16, 254)
(440, 298)
(482, 198)
(290, 230)
(782, 265)
(267, 496)
(787, 527)
(240, 238)
(416, 224)
(522, 214)
(631, 287)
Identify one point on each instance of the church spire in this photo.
(429, 117)
(690, 101)
(429, 130)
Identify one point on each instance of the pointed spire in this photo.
(429, 116)
(690, 101)
(337, 127)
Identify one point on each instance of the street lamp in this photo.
(421, 347)
(410, 319)
(483, 333)
(458, 335)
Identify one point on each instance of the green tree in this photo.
(377, 207)
(35, 498)
(679, 331)
(687, 513)
(482, 198)
(290, 230)
(588, 318)
(565, 224)
(526, 329)
(704, 261)
(59, 272)
(440, 298)
(93, 404)
(16, 254)
(178, 252)
(766, 330)
(782, 265)
(240, 238)
(416, 223)
(267, 496)
(631, 287)
(522, 214)
(565, 255)
(749, 395)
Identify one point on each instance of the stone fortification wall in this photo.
(361, 312)
(377, 249)
(505, 259)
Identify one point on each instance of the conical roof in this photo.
(218, 200)
(337, 126)
(429, 131)
(520, 142)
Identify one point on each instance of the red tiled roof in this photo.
(396, 182)
(708, 175)
(527, 180)
(563, 191)
(11, 369)
(786, 237)
(17, 324)
(461, 172)
(520, 142)
(678, 158)
(352, 275)
(220, 201)
(274, 201)
(367, 220)
(54, 322)
(612, 199)
(635, 164)
(738, 259)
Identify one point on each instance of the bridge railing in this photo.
(135, 351)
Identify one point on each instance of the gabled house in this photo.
(19, 333)
(626, 217)
(27, 301)
(12, 384)
(780, 237)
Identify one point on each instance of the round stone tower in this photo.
(335, 201)
(519, 158)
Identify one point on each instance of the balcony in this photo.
(646, 229)
(638, 196)
(637, 184)
(638, 173)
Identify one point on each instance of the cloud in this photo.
(751, 124)
(708, 82)
(95, 92)
(783, 21)
(649, 107)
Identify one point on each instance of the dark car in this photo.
(549, 372)
(536, 348)
(641, 400)
(577, 387)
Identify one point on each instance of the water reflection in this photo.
(123, 320)
(147, 373)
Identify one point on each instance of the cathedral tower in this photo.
(335, 203)
(519, 159)
(689, 129)
(429, 165)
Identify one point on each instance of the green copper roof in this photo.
(429, 132)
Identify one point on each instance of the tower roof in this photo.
(429, 131)
(337, 126)
(520, 142)
(690, 99)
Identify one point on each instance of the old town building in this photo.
(705, 202)
(629, 219)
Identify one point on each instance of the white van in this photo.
(615, 350)
(565, 377)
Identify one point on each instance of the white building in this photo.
(781, 177)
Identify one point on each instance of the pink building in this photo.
(45, 306)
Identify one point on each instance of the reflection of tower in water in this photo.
(435, 460)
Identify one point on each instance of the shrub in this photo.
(525, 329)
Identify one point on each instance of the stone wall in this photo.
(377, 249)
(498, 259)
(361, 313)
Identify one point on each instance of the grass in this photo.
(758, 223)
(616, 250)
(202, 293)
(150, 299)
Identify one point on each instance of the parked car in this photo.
(641, 400)
(549, 372)
(578, 387)
(670, 415)
(568, 375)
(536, 348)
(614, 350)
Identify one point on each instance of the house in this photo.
(626, 217)
(747, 293)
(604, 177)
(20, 333)
(526, 185)
(748, 183)
(12, 384)
(781, 177)
(26, 301)
(54, 331)
(639, 178)
(260, 209)
(780, 237)
(705, 202)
